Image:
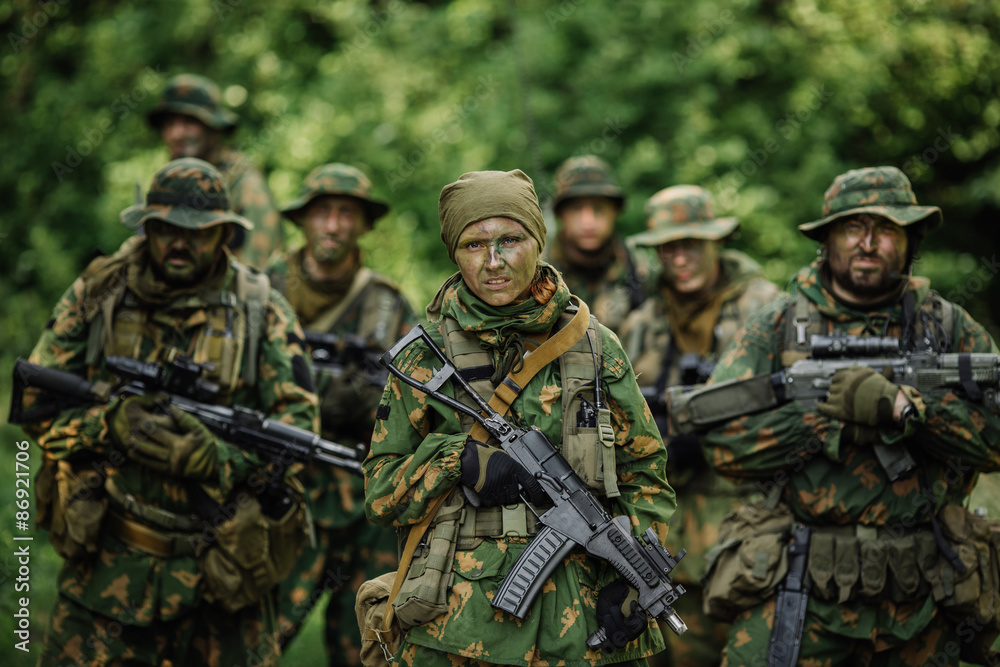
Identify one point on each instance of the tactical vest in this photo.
(588, 449)
(235, 321)
(803, 320)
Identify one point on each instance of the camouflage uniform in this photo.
(122, 603)
(415, 456)
(349, 549)
(827, 479)
(614, 282)
(704, 498)
(198, 97)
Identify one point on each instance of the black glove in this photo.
(618, 614)
(496, 477)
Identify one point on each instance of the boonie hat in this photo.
(682, 212)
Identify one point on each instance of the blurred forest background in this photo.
(763, 102)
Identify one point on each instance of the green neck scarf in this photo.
(501, 330)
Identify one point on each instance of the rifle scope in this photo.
(824, 347)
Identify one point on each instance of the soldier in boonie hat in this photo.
(683, 212)
(592, 258)
(341, 180)
(195, 96)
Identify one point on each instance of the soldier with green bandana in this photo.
(881, 559)
(333, 293)
(499, 305)
(193, 122)
(592, 258)
(144, 503)
(704, 295)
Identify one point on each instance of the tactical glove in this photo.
(618, 614)
(496, 477)
(164, 438)
(861, 395)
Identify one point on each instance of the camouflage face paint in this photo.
(690, 266)
(588, 222)
(332, 225)
(183, 256)
(497, 259)
(866, 255)
(186, 136)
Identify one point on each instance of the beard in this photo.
(866, 284)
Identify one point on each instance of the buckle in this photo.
(513, 521)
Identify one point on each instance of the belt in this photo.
(154, 515)
(498, 522)
(152, 541)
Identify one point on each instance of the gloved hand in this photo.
(618, 614)
(861, 395)
(174, 442)
(496, 477)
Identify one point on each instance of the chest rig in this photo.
(587, 436)
(227, 327)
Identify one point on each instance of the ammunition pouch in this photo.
(750, 560)
(71, 506)
(423, 595)
(499, 522)
(252, 552)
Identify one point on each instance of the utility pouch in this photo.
(252, 552)
(423, 595)
(71, 505)
(750, 560)
(970, 598)
(378, 646)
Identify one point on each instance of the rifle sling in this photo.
(504, 395)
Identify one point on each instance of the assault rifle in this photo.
(334, 354)
(576, 519)
(182, 380)
(977, 375)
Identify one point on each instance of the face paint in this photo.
(332, 225)
(183, 256)
(866, 255)
(497, 259)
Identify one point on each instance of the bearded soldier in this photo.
(362, 313)
(704, 294)
(880, 547)
(594, 262)
(193, 122)
(150, 509)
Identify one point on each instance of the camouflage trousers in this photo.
(701, 645)
(412, 655)
(208, 637)
(750, 635)
(341, 561)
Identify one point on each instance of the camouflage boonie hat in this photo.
(337, 179)
(195, 96)
(586, 176)
(682, 212)
(883, 191)
(187, 192)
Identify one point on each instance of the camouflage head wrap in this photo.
(683, 212)
(586, 176)
(883, 191)
(339, 180)
(187, 192)
(479, 195)
(195, 96)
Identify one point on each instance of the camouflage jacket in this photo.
(612, 291)
(415, 458)
(348, 397)
(120, 580)
(251, 198)
(829, 482)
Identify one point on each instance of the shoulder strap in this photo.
(253, 290)
(327, 320)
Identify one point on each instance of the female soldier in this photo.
(500, 303)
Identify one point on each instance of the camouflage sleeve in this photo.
(760, 444)
(948, 427)
(253, 200)
(415, 447)
(77, 432)
(640, 457)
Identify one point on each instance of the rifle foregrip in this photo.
(524, 581)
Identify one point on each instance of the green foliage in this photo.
(761, 102)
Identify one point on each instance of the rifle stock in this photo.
(576, 519)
